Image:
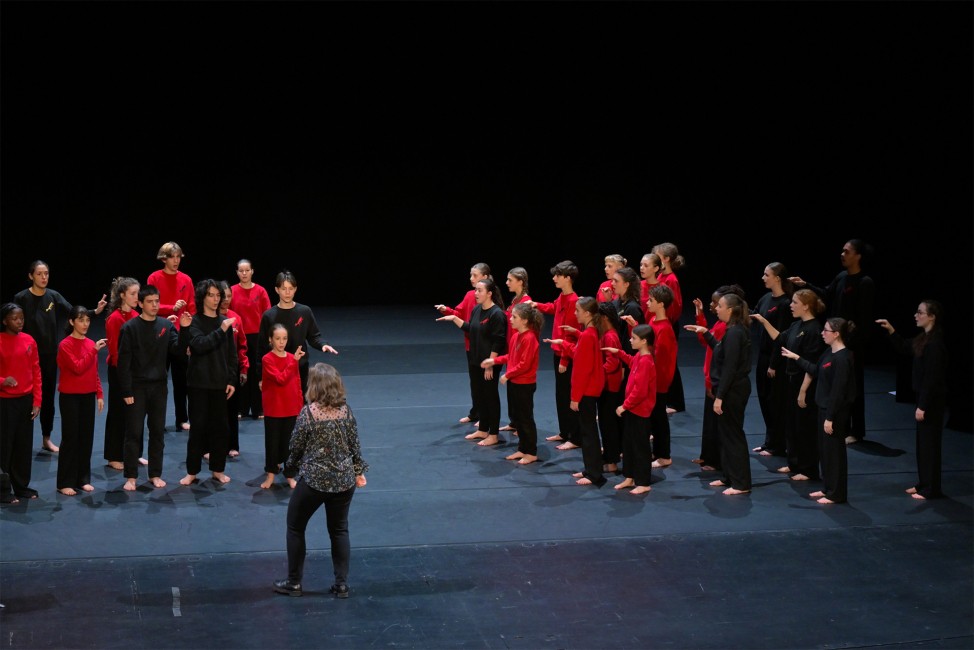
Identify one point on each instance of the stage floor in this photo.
(452, 546)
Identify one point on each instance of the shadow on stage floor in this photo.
(455, 547)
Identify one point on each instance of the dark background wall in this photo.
(378, 150)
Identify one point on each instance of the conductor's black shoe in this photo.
(340, 591)
(287, 587)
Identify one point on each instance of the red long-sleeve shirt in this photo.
(522, 359)
(463, 310)
(611, 364)
(640, 396)
(19, 359)
(250, 304)
(240, 338)
(718, 330)
(173, 287)
(664, 353)
(281, 387)
(113, 329)
(77, 360)
(564, 310)
(588, 373)
(675, 309)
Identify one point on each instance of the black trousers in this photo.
(77, 439)
(520, 406)
(637, 453)
(304, 502)
(48, 364)
(250, 399)
(771, 398)
(929, 444)
(674, 396)
(832, 451)
(660, 424)
(233, 424)
(277, 441)
(114, 419)
(149, 409)
(709, 435)
(475, 374)
(610, 425)
(735, 459)
(208, 416)
(567, 419)
(589, 432)
(487, 401)
(177, 365)
(16, 441)
(801, 429)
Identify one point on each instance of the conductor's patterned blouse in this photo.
(325, 448)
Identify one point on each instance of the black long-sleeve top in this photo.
(804, 338)
(488, 331)
(836, 380)
(776, 311)
(630, 308)
(143, 348)
(45, 318)
(731, 361)
(851, 297)
(213, 354)
(929, 378)
(302, 329)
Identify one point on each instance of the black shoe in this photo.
(287, 587)
(340, 591)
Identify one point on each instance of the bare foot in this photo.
(88, 487)
(697, 461)
(662, 462)
(732, 491)
(157, 482)
(206, 457)
(464, 420)
(825, 500)
(268, 482)
(221, 477)
(129, 485)
(527, 459)
(717, 483)
(783, 470)
(489, 441)
(507, 427)
(189, 479)
(476, 435)
(765, 452)
(565, 446)
(816, 494)
(233, 453)
(799, 477)
(708, 468)
(757, 449)
(554, 438)
(911, 490)
(583, 481)
(670, 411)
(143, 461)
(50, 446)
(516, 455)
(919, 496)
(577, 475)
(640, 489)
(625, 484)
(67, 491)
(292, 483)
(184, 426)
(116, 464)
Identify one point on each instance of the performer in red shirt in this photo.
(20, 403)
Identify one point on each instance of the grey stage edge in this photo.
(454, 547)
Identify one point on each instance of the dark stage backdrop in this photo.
(378, 151)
